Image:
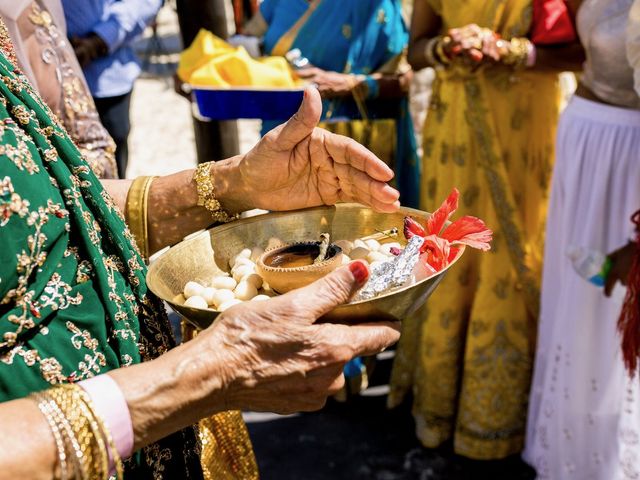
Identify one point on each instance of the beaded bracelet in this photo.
(207, 195)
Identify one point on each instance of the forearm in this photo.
(172, 210)
(393, 86)
(416, 55)
(560, 58)
(163, 396)
(173, 391)
(27, 447)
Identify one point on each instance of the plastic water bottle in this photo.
(592, 265)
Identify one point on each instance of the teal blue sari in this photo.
(358, 37)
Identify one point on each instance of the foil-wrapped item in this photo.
(393, 273)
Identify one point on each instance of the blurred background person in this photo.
(584, 415)
(102, 32)
(38, 32)
(490, 129)
(354, 52)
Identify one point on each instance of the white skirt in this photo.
(584, 412)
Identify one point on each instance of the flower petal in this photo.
(437, 249)
(412, 228)
(442, 214)
(469, 231)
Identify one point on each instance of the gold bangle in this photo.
(517, 53)
(45, 408)
(207, 195)
(136, 212)
(439, 52)
(79, 433)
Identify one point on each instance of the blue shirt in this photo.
(118, 23)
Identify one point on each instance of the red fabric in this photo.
(552, 23)
(629, 322)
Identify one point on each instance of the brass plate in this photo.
(200, 257)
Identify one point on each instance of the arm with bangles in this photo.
(476, 46)
(294, 166)
(267, 356)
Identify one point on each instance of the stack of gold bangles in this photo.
(84, 443)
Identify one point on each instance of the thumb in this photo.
(332, 290)
(303, 121)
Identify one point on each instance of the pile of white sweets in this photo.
(243, 283)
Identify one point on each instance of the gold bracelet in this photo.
(105, 432)
(207, 195)
(517, 53)
(136, 212)
(79, 433)
(439, 52)
(45, 408)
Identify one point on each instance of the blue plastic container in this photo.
(246, 102)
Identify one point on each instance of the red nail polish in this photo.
(359, 270)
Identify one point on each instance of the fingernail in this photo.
(359, 270)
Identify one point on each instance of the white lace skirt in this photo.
(584, 413)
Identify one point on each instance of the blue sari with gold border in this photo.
(358, 37)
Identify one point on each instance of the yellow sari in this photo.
(468, 356)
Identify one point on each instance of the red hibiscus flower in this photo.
(442, 244)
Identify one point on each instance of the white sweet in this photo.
(359, 253)
(192, 288)
(254, 279)
(196, 301)
(345, 245)
(244, 253)
(228, 304)
(360, 243)
(243, 261)
(243, 271)
(373, 244)
(222, 296)
(376, 257)
(345, 259)
(245, 291)
(386, 247)
(260, 298)
(222, 282)
(256, 253)
(208, 294)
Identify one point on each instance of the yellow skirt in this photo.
(467, 357)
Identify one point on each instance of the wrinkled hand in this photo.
(297, 165)
(621, 261)
(474, 45)
(278, 359)
(330, 84)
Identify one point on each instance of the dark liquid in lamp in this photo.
(301, 255)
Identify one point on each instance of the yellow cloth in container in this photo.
(210, 61)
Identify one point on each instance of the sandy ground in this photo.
(161, 140)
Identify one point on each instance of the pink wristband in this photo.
(110, 405)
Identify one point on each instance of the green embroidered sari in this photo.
(73, 298)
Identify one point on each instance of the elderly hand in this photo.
(473, 44)
(297, 165)
(279, 359)
(329, 84)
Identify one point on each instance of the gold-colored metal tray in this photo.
(202, 256)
